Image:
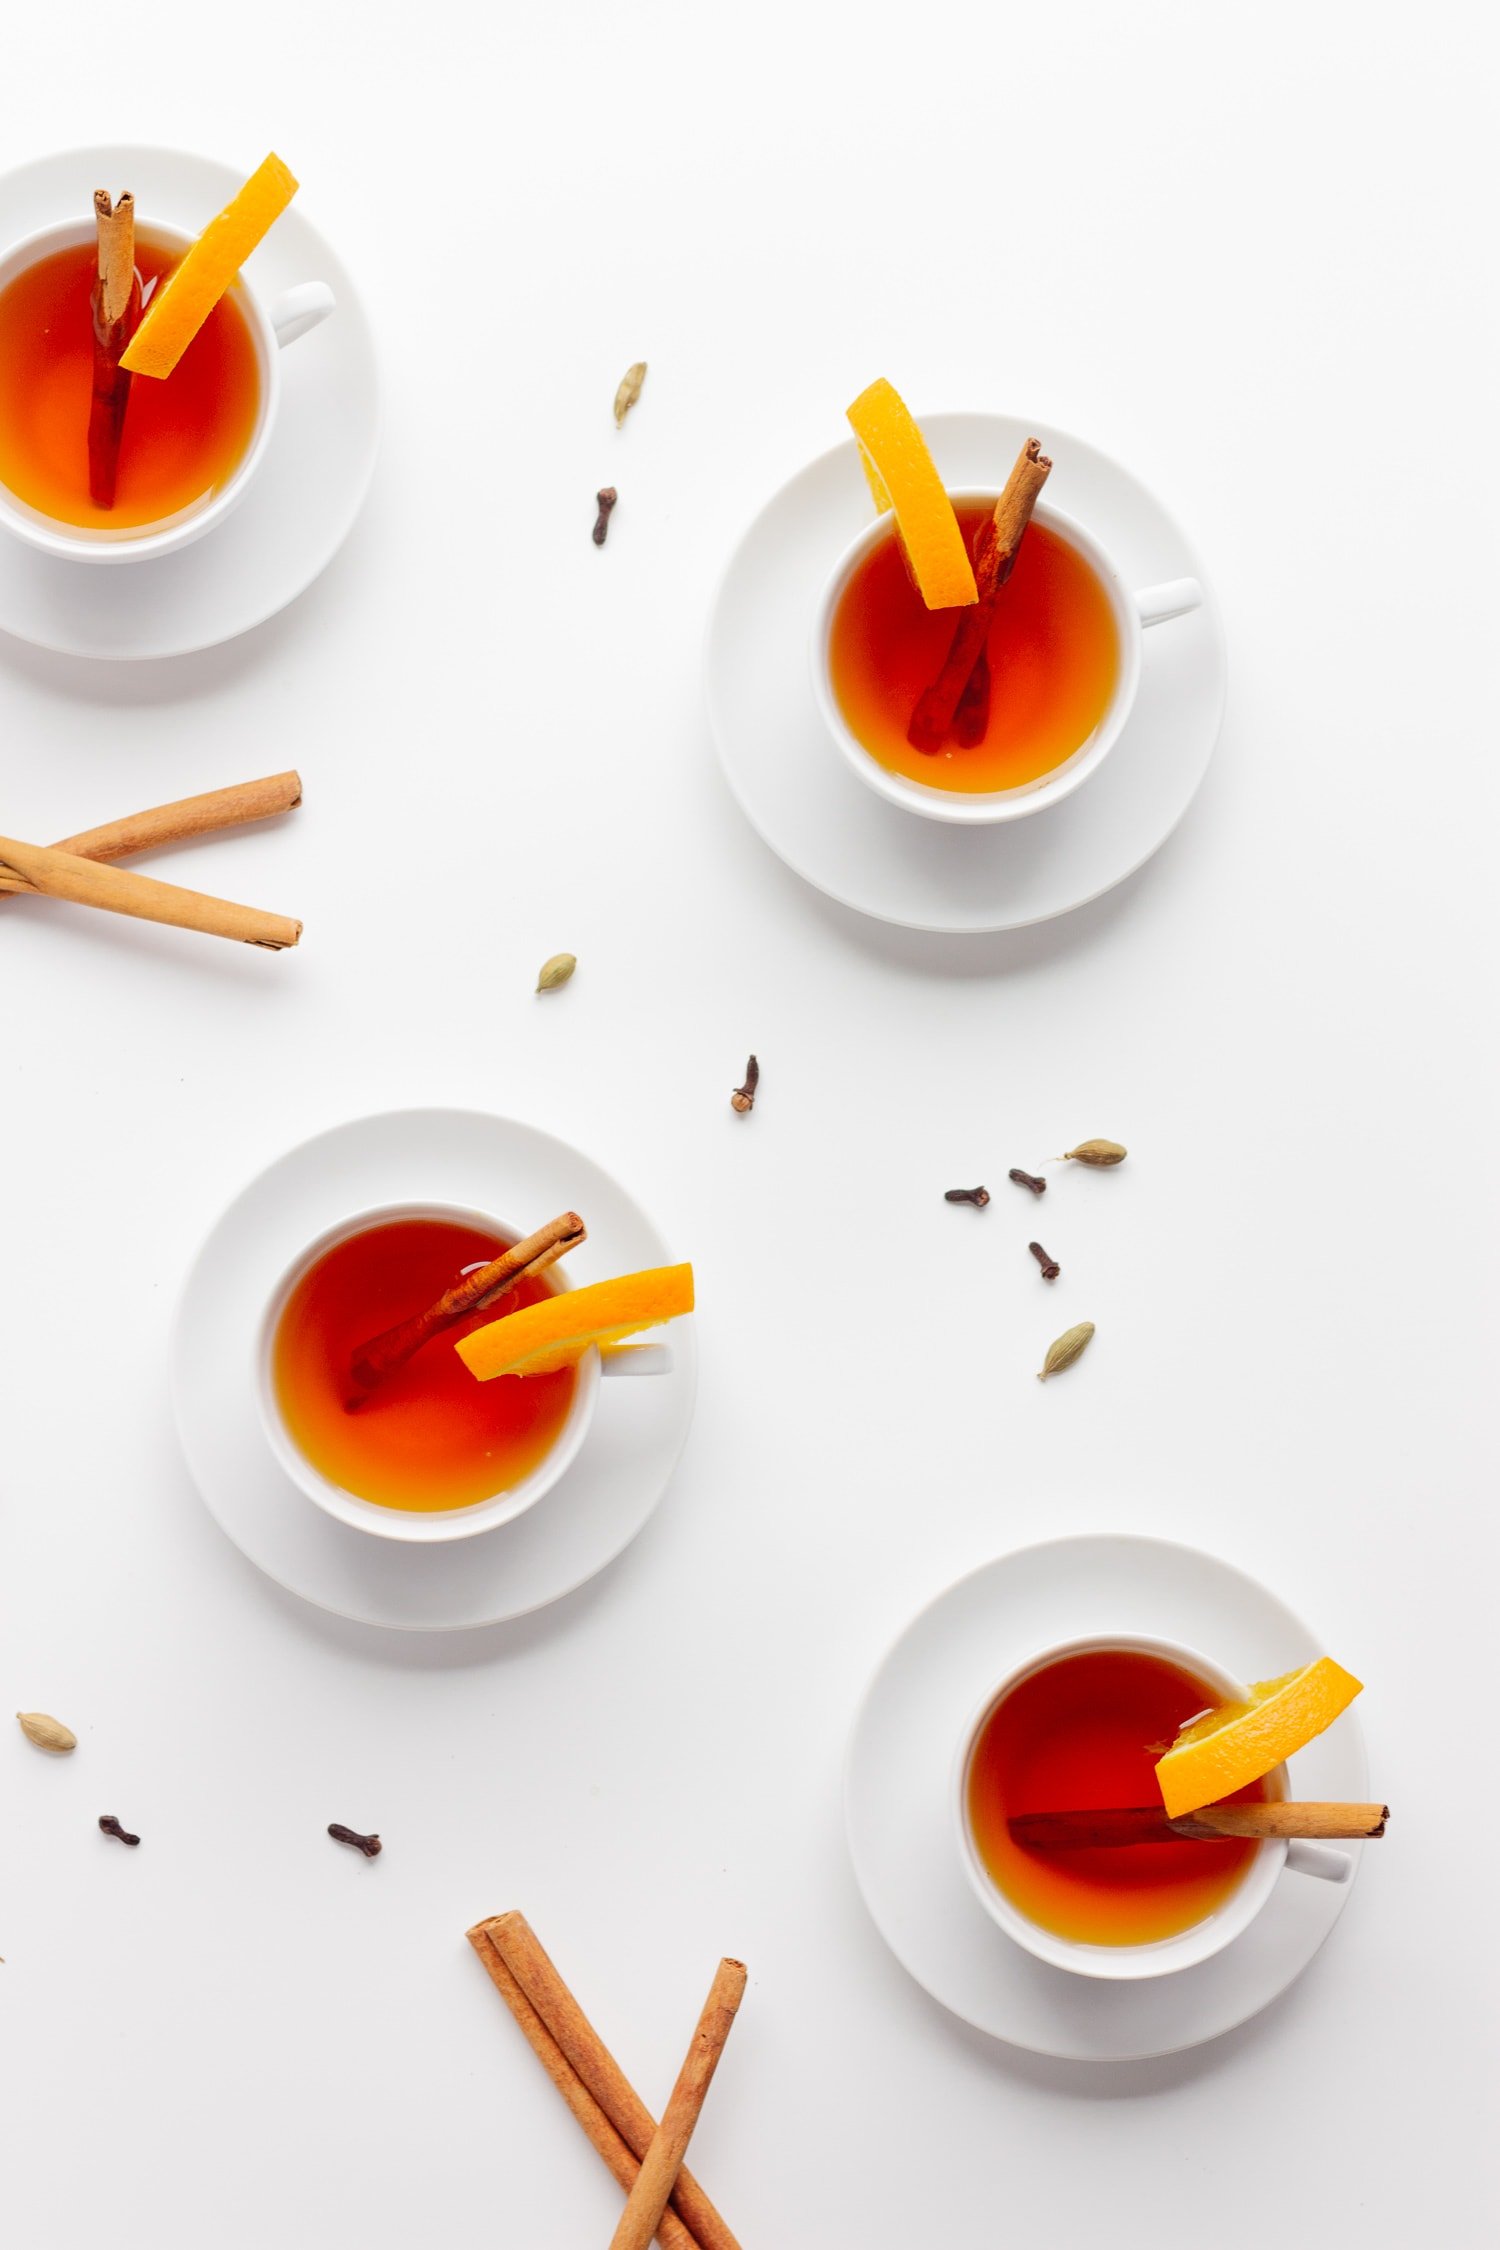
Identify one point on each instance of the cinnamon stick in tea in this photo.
(995, 549)
(671, 2232)
(662, 2161)
(116, 306)
(178, 823)
(1111, 1827)
(378, 1358)
(55, 874)
(517, 1944)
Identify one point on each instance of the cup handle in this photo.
(1316, 1859)
(1174, 597)
(298, 310)
(636, 1359)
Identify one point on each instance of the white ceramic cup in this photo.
(1131, 611)
(271, 327)
(421, 1526)
(1161, 1956)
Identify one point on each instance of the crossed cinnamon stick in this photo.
(78, 868)
(663, 2198)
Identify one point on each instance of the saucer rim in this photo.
(1211, 611)
(681, 1381)
(353, 502)
(1339, 1894)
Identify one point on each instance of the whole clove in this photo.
(111, 1827)
(607, 496)
(1027, 1179)
(978, 1196)
(743, 1097)
(1050, 1267)
(369, 1845)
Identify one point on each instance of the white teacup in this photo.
(435, 1525)
(1161, 1956)
(272, 327)
(1131, 610)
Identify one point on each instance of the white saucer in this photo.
(900, 1823)
(306, 494)
(795, 788)
(447, 1156)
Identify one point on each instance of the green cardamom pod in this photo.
(629, 390)
(1096, 1152)
(556, 971)
(1070, 1345)
(47, 1734)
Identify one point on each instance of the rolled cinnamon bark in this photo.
(662, 2161)
(86, 882)
(372, 1362)
(1113, 1826)
(995, 551)
(517, 1944)
(177, 823)
(670, 2232)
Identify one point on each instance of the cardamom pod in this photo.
(1096, 1152)
(629, 391)
(47, 1734)
(556, 971)
(1070, 1345)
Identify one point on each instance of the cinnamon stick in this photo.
(670, 2232)
(115, 303)
(177, 823)
(995, 549)
(585, 2052)
(1285, 1819)
(1111, 1827)
(663, 2159)
(378, 1358)
(55, 874)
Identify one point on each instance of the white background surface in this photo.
(1241, 250)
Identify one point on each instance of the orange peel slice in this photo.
(903, 477)
(557, 1331)
(1228, 1748)
(180, 307)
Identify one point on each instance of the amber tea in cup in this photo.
(185, 436)
(1081, 1733)
(1054, 654)
(430, 1438)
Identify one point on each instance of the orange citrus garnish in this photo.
(1239, 1743)
(190, 292)
(904, 478)
(558, 1330)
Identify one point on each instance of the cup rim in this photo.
(1154, 1957)
(74, 543)
(974, 808)
(423, 1527)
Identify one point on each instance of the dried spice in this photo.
(1049, 1265)
(606, 497)
(1098, 1153)
(111, 1827)
(1027, 1179)
(556, 971)
(629, 391)
(47, 1733)
(979, 1196)
(369, 1845)
(743, 1097)
(1070, 1345)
